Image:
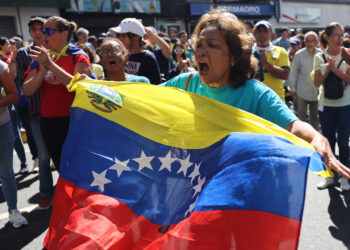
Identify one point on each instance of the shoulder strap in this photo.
(75, 58)
(324, 58)
(341, 61)
(188, 81)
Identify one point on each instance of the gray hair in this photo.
(82, 31)
(311, 33)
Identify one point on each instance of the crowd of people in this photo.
(234, 62)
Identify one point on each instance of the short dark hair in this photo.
(3, 40)
(249, 23)
(173, 29)
(183, 55)
(181, 32)
(346, 42)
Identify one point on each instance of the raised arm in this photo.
(43, 57)
(163, 45)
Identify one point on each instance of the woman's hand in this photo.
(41, 55)
(322, 146)
(331, 63)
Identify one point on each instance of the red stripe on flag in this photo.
(82, 219)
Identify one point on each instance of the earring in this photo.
(232, 64)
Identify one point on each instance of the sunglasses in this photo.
(106, 52)
(179, 50)
(337, 36)
(49, 31)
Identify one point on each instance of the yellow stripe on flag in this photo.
(186, 124)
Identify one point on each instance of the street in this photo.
(326, 221)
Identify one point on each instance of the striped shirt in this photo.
(23, 61)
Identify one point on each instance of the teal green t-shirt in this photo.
(253, 97)
(135, 78)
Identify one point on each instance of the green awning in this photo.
(36, 3)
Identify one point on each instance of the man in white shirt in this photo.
(302, 87)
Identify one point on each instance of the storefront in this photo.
(252, 12)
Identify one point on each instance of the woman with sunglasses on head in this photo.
(183, 64)
(223, 54)
(56, 100)
(334, 110)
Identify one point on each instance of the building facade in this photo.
(15, 14)
(99, 15)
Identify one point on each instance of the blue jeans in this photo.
(7, 177)
(18, 143)
(335, 120)
(45, 175)
(23, 116)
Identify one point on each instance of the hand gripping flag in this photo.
(152, 167)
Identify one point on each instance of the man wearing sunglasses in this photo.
(141, 62)
(23, 61)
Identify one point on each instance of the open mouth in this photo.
(112, 62)
(203, 68)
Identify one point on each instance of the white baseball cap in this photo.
(131, 25)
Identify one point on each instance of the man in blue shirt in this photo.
(283, 40)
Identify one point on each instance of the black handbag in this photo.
(333, 86)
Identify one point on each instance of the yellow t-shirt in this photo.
(279, 57)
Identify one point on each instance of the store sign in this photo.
(300, 15)
(237, 9)
(115, 6)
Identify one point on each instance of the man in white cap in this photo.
(141, 62)
(274, 59)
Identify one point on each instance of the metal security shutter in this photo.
(8, 26)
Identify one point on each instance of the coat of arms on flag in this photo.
(152, 167)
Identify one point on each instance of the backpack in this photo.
(333, 86)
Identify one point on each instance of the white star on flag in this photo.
(120, 166)
(195, 172)
(185, 164)
(166, 162)
(144, 161)
(198, 187)
(190, 209)
(100, 180)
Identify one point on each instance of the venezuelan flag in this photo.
(152, 167)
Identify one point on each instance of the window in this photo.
(8, 26)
